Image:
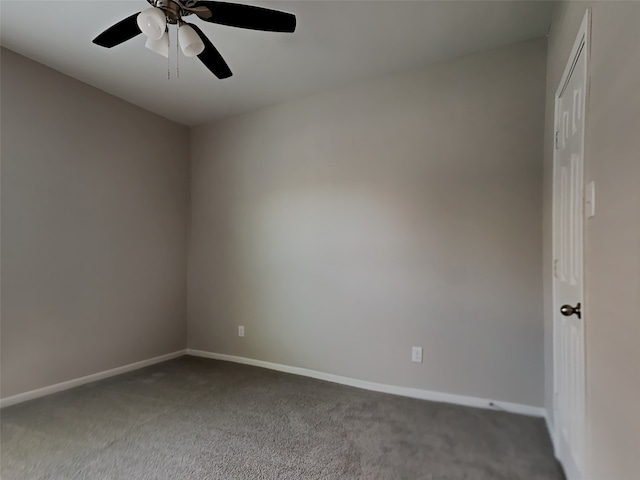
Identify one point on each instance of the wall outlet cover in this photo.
(416, 354)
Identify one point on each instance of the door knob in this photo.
(568, 310)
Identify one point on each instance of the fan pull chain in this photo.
(169, 49)
(177, 52)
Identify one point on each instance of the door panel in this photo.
(568, 276)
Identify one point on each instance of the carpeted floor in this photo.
(193, 418)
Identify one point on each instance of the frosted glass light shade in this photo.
(152, 22)
(190, 42)
(160, 46)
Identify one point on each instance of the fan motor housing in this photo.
(173, 10)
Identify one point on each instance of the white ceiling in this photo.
(336, 43)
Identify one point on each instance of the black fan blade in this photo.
(120, 32)
(211, 57)
(248, 16)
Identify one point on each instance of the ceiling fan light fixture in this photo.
(160, 46)
(193, 41)
(152, 22)
(190, 43)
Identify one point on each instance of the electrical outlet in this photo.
(241, 331)
(416, 354)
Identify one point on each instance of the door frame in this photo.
(582, 45)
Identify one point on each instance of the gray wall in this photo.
(94, 227)
(612, 237)
(343, 228)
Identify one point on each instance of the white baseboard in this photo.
(552, 432)
(329, 377)
(379, 387)
(58, 387)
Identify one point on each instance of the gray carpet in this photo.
(193, 418)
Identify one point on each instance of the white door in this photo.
(568, 208)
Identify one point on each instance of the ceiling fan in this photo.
(154, 21)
